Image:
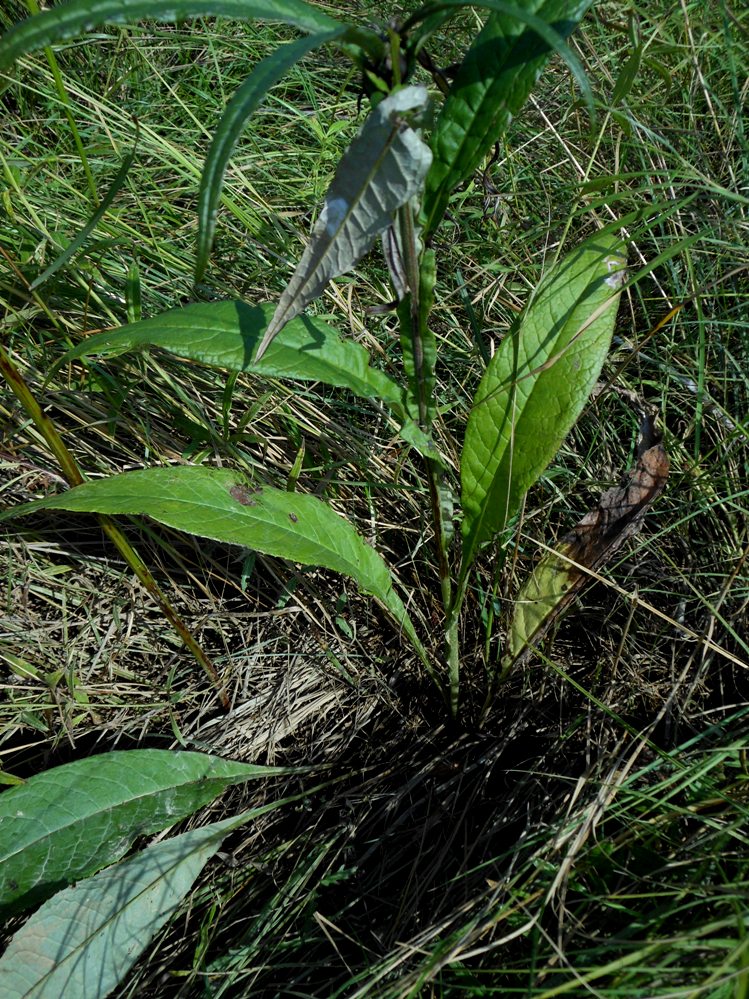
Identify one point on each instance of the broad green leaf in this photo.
(72, 820)
(383, 168)
(239, 109)
(536, 386)
(493, 82)
(84, 940)
(220, 504)
(226, 334)
(73, 18)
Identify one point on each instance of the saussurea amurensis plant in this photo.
(393, 184)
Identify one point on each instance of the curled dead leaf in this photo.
(561, 574)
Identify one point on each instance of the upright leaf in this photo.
(76, 16)
(383, 168)
(418, 343)
(72, 820)
(493, 82)
(536, 386)
(219, 504)
(85, 939)
(239, 109)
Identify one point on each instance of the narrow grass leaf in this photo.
(69, 252)
(536, 386)
(226, 334)
(494, 80)
(220, 504)
(239, 109)
(383, 168)
(72, 18)
(627, 75)
(68, 822)
(84, 940)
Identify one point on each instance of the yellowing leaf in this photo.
(562, 573)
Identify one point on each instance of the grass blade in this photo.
(239, 109)
(69, 252)
(73, 18)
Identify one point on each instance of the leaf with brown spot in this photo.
(216, 503)
(561, 574)
(243, 495)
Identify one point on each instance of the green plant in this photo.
(65, 825)
(390, 183)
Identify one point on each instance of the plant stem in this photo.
(451, 637)
(72, 473)
(413, 279)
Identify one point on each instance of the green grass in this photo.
(590, 839)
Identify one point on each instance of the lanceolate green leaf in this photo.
(536, 386)
(242, 105)
(226, 335)
(76, 16)
(383, 168)
(85, 939)
(70, 821)
(494, 80)
(221, 504)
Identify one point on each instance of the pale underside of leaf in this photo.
(562, 573)
(383, 168)
(84, 940)
(536, 385)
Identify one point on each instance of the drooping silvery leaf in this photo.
(391, 250)
(383, 168)
(395, 257)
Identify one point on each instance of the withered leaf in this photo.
(243, 495)
(561, 574)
